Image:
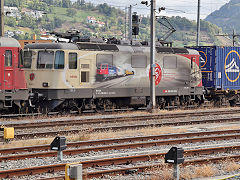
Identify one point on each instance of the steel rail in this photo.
(127, 146)
(113, 119)
(135, 169)
(110, 161)
(115, 128)
(144, 168)
(118, 140)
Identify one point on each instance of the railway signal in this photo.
(135, 24)
(175, 157)
(59, 144)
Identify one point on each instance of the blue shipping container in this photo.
(220, 67)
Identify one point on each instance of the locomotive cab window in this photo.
(139, 61)
(8, 58)
(84, 76)
(59, 60)
(20, 59)
(170, 62)
(27, 59)
(45, 59)
(72, 60)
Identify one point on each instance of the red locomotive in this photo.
(13, 88)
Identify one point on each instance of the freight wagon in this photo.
(220, 73)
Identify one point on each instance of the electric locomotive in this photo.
(96, 75)
(14, 93)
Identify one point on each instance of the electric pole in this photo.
(152, 56)
(2, 18)
(130, 23)
(198, 24)
(125, 27)
(234, 36)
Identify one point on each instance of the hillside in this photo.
(227, 17)
(43, 16)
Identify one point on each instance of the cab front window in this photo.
(8, 58)
(59, 60)
(27, 59)
(45, 59)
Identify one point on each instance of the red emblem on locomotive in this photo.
(32, 76)
(158, 74)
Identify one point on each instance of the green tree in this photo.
(71, 12)
(57, 22)
(10, 21)
(27, 21)
(66, 3)
(14, 3)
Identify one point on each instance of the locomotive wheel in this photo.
(177, 101)
(100, 110)
(218, 102)
(233, 102)
(76, 109)
(135, 108)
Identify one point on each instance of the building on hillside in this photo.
(12, 11)
(33, 13)
(91, 19)
(100, 24)
(12, 33)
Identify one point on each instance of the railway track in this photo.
(130, 143)
(93, 112)
(121, 127)
(121, 161)
(93, 120)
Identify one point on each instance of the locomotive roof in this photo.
(9, 42)
(51, 46)
(108, 47)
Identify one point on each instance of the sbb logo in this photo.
(158, 74)
(32, 76)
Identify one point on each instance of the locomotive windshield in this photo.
(20, 59)
(59, 60)
(8, 58)
(27, 59)
(45, 59)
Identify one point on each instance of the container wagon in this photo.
(220, 73)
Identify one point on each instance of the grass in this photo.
(199, 171)
(25, 30)
(230, 166)
(80, 16)
(165, 172)
(83, 136)
(127, 133)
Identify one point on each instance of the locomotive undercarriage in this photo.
(65, 101)
(110, 104)
(13, 101)
(226, 98)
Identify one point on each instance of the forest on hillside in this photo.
(62, 14)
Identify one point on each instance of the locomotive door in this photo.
(84, 71)
(8, 69)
